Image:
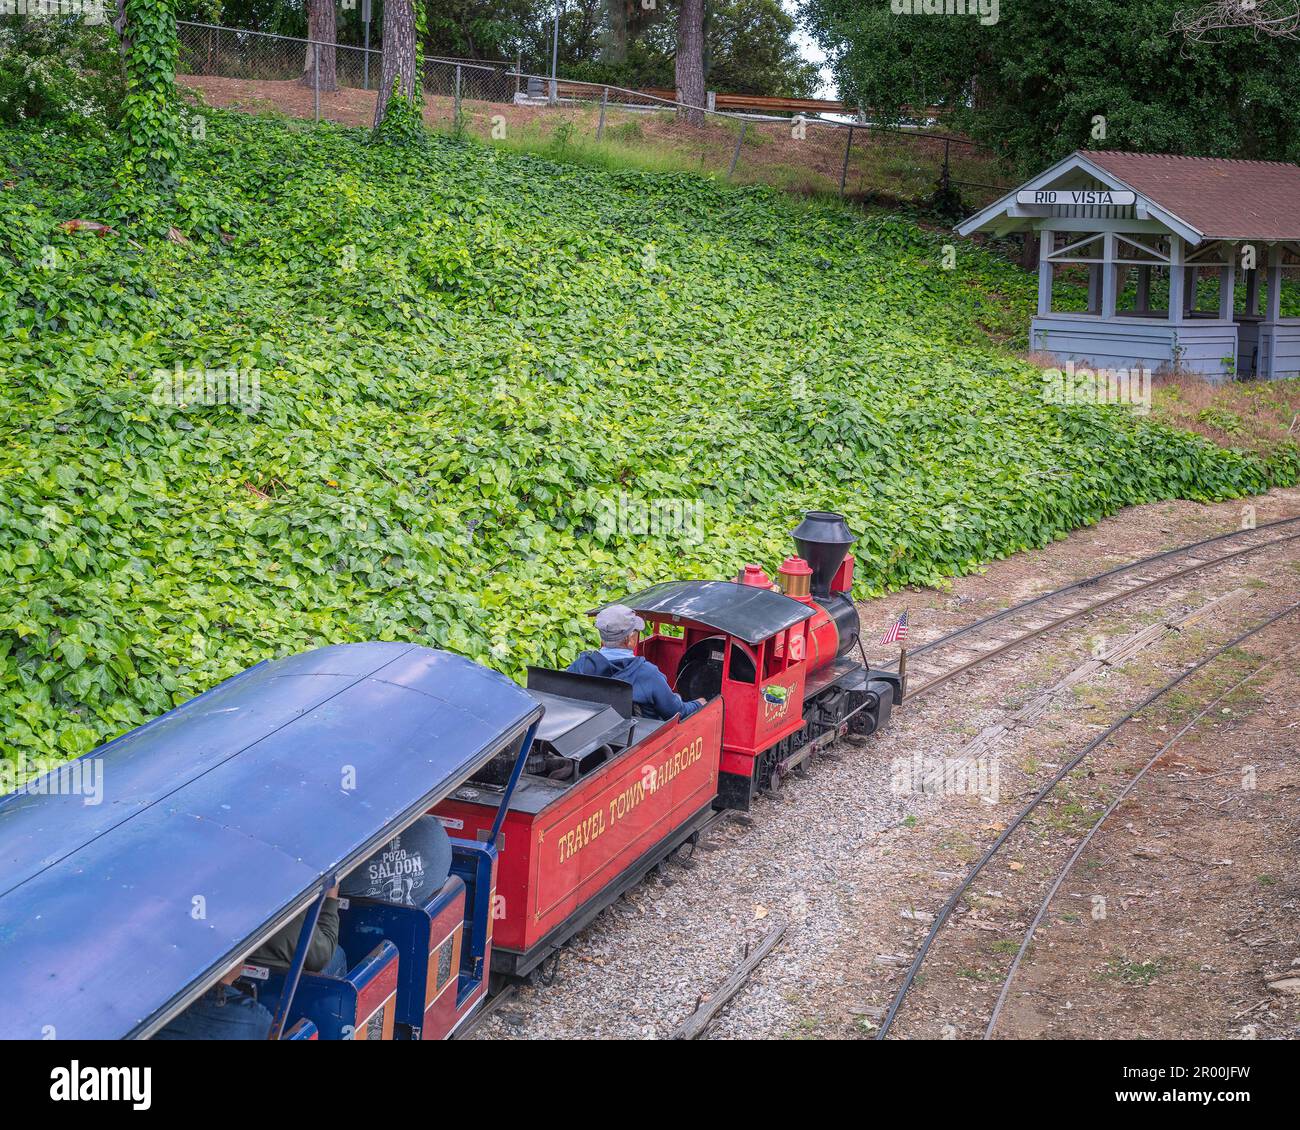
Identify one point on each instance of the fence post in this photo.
(315, 77)
(456, 122)
(739, 142)
(844, 172)
(519, 67)
(600, 126)
(947, 144)
(365, 19)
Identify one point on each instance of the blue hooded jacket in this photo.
(650, 690)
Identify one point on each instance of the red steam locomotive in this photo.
(606, 794)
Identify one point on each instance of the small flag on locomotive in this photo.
(897, 631)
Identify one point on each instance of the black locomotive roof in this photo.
(745, 611)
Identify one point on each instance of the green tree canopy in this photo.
(1033, 83)
(748, 43)
(748, 49)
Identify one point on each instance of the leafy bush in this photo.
(58, 69)
(472, 367)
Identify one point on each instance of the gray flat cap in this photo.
(617, 622)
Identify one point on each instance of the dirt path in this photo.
(901, 166)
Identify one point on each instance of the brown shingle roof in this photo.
(1224, 199)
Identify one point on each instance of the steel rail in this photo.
(1078, 851)
(948, 907)
(1052, 625)
(1086, 581)
(490, 1006)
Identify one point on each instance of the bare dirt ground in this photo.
(854, 863)
(1187, 899)
(900, 166)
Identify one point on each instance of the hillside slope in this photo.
(476, 374)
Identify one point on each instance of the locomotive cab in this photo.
(781, 657)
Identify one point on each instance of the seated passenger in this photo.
(324, 954)
(224, 1012)
(619, 629)
(408, 870)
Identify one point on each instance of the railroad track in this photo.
(957, 652)
(475, 1022)
(1087, 839)
(978, 867)
(1035, 617)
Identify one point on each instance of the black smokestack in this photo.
(822, 538)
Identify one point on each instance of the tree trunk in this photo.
(120, 26)
(615, 46)
(322, 30)
(399, 55)
(690, 59)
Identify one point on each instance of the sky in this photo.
(810, 51)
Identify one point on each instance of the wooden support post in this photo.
(1273, 311)
(315, 78)
(1046, 244)
(1274, 284)
(1252, 292)
(1109, 275)
(1177, 277)
(1227, 284)
(456, 119)
(600, 126)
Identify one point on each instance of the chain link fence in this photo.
(257, 71)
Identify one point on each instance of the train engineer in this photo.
(620, 630)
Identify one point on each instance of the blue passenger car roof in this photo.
(219, 822)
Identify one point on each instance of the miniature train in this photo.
(234, 798)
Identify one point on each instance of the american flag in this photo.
(897, 630)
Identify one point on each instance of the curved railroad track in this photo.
(1087, 839)
(957, 652)
(953, 899)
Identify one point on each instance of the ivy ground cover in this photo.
(477, 393)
